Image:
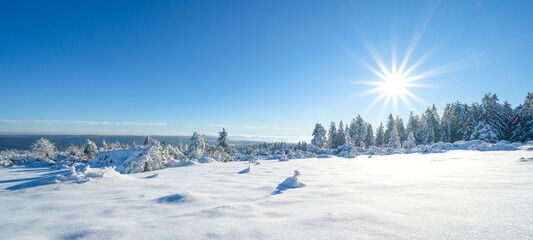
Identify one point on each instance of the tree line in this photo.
(489, 121)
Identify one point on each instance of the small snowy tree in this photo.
(44, 148)
(411, 141)
(223, 140)
(319, 136)
(485, 132)
(394, 139)
(89, 148)
(197, 147)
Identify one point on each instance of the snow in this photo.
(461, 194)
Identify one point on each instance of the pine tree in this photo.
(198, 146)
(388, 129)
(524, 112)
(380, 136)
(491, 115)
(402, 133)
(394, 139)
(430, 126)
(369, 136)
(332, 135)
(319, 136)
(223, 141)
(449, 125)
(340, 136)
(466, 120)
(510, 118)
(411, 141)
(414, 126)
(89, 148)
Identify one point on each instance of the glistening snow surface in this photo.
(460, 194)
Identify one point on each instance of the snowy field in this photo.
(461, 194)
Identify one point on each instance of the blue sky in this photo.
(259, 68)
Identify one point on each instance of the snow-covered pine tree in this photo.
(388, 129)
(89, 148)
(510, 118)
(319, 136)
(369, 136)
(411, 141)
(357, 131)
(197, 147)
(492, 115)
(394, 139)
(466, 121)
(524, 112)
(430, 126)
(332, 135)
(402, 133)
(223, 141)
(485, 132)
(340, 136)
(352, 131)
(380, 136)
(449, 126)
(414, 126)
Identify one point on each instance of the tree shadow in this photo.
(282, 188)
(44, 179)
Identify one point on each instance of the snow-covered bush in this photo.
(44, 149)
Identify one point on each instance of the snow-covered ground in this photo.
(462, 194)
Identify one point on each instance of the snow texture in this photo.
(463, 194)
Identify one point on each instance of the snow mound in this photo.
(246, 170)
(500, 146)
(87, 173)
(178, 198)
(292, 182)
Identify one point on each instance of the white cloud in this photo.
(69, 122)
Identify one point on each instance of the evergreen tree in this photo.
(492, 116)
(466, 121)
(402, 133)
(380, 136)
(89, 148)
(414, 126)
(430, 126)
(449, 131)
(340, 136)
(198, 146)
(369, 136)
(319, 136)
(524, 113)
(394, 139)
(223, 141)
(510, 118)
(411, 141)
(332, 135)
(388, 130)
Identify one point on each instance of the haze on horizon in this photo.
(255, 68)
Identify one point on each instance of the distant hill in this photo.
(24, 142)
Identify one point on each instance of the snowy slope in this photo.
(460, 194)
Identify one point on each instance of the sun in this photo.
(394, 85)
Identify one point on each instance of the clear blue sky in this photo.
(262, 68)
